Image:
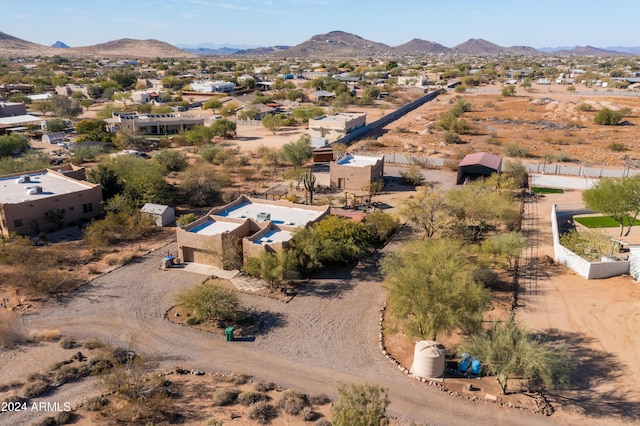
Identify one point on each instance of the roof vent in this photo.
(24, 179)
(35, 190)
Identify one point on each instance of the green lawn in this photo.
(600, 222)
(537, 190)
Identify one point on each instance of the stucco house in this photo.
(355, 172)
(336, 126)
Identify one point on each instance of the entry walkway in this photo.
(241, 281)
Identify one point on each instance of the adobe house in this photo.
(336, 126)
(27, 198)
(246, 225)
(478, 165)
(355, 172)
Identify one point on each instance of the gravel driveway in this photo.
(327, 333)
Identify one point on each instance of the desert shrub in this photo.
(66, 374)
(36, 377)
(36, 389)
(381, 225)
(208, 302)
(319, 399)
(308, 415)
(322, 422)
(607, 117)
(208, 152)
(213, 421)
(123, 356)
(185, 219)
(250, 397)
(99, 366)
(617, 147)
(292, 402)
(225, 397)
(453, 139)
(515, 150)
(96, 403)
(173, 161)
(120, 259)
(585, 107)
(68, 343)
(265, 386)
(93, 344)
(561, 157)
(589, 245)
(263, 412)
(411, 177)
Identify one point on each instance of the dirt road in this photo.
(327, 334)
(598, 319)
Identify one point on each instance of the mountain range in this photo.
(336, 44)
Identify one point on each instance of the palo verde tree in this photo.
(208, 302)
(297, 153)
(273, 123)
(618, 198)
(431, 288)
(510, 351)
(428, 209)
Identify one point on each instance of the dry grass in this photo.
(120, 258)
(11, 330)
(48, 335)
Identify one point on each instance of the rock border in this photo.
(542, 404)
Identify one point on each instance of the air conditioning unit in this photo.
(24, 179)
(262, 216)
(34, 190)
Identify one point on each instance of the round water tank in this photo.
(428, 359)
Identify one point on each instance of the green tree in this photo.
(304, 114)
(199, 135)
(297, 153)
(208, 302)
(431, 288)
(607, 117)
(43, 106)
(273, 123)
(510, 351)
(10, 144)
(201, 186)
(124, 78)
(428, 209)
(224, 128)
(508, 91)
(123, 97)
(618, 198)
(361, 405)
(213, 104)
(173, 161)
(267, 266)
(381, 225)
(504, 249)
(106, 174)
(63, 106)
(56, 125)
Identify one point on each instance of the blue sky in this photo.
(289, 22)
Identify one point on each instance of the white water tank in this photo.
(428, 359)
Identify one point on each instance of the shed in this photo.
(53, 138)
(162, 215)
(478, 165)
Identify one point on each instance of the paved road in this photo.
(324, 335)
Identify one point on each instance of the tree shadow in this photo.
(596, 369)
(255, 323)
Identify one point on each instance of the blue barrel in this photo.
(463, 365)
(476, 368)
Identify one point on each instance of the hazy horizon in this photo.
(289, 22)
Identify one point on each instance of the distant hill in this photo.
(422, 46)
(478, 46)
(132, 48)
(14, 46)
(588, 50)
(337, 44)
(633, 50)
(60, 45)
(209, 51)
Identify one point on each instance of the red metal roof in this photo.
(482, 158)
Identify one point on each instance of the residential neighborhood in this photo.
(261, 237)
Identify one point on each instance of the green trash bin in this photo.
(228, 333)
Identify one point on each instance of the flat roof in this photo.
(214, 227)
(273, 236)
(280, 215)
(13, 192)
(340, 117)
(19, 119)
(358, 160)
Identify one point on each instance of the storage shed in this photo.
(478, 165)
(162, 215)
(428, 359)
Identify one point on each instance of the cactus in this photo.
(309, 182)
